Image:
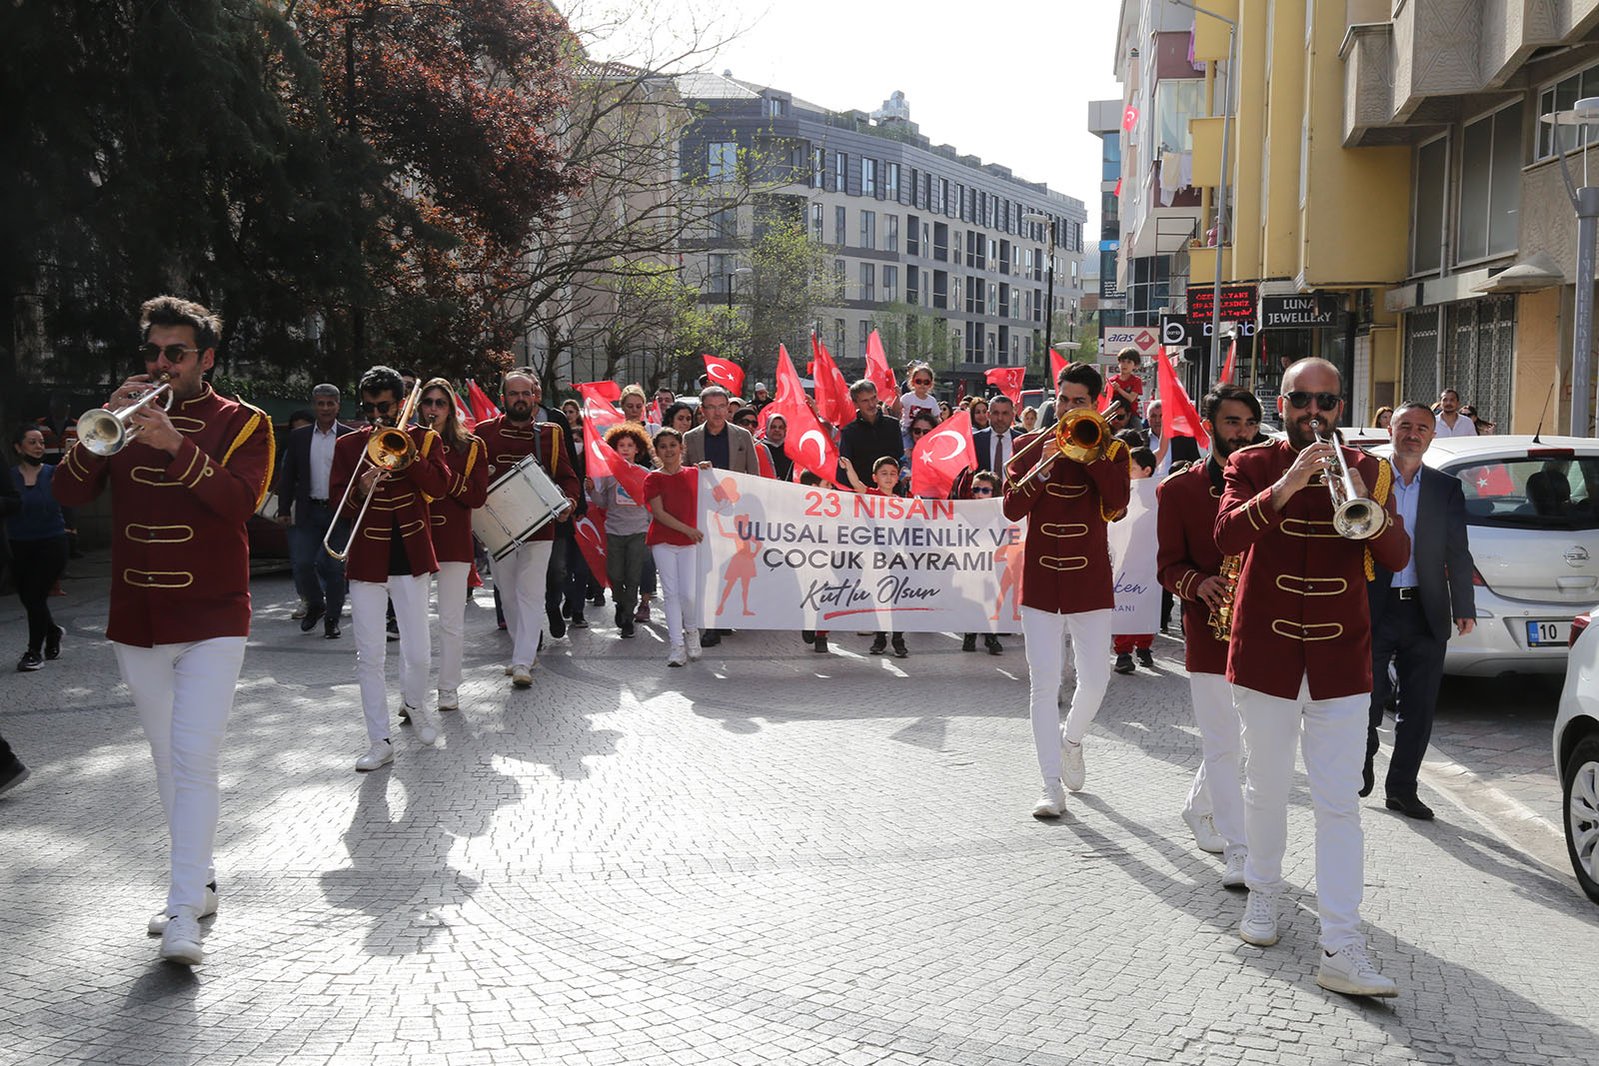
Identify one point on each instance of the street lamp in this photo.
(728, 276)
(1585, 201)
(1049, 285)
(1221, 181)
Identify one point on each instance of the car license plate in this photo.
(1547, 634)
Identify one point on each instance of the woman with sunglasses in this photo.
(451, 518)
(921, 424)
(920, 399)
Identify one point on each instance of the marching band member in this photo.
(1300, 660)
(521, 576)
(390, 559)
(181, 493)
(1067, 584)
(451, 516)
(1190, 565)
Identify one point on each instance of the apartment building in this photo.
(914, 228)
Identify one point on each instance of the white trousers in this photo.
(184, 693)
(675, 567)
(452, 622)
(1046, 632)
(1216, 790)
(369, 615)
(521, 577)
(1332, 736)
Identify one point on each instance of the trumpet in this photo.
(1082, 434)
(389, 449)
(1354, 516)
(106, 432)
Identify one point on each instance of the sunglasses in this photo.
(435, 401)
(982, 490)
(1325, 401)
(918, 432)
(173, 352)
(380, 408)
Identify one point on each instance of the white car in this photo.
(1577, 755)
(1532, 516)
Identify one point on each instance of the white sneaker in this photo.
(1203, 826)
(180, 942)
(1072, 772)
(677, 657)
(448, 700)
(691, 641)
(521, 676)
(302, 610)
(426, 731)
(1350, 971)
(1051, 802)
(1259, 926)
(509, 670)
(158, 921)
(377, 755)
(1233, 875)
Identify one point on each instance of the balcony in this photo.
(1168, 210)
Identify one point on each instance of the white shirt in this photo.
(910, 404)
(322, 459)
(1407, 501)
(1004, 448)
(1463, 427)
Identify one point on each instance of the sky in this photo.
(1008, 81)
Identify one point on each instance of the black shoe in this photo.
(969, 642)
(394, 630)
(330, 629)
(991, 642)
(1368, 780)
(557, 627)
(710, 638)
(12, 774)
(599, 599)
(579, 622)
(566, 610)
(1124, 663)
(808, 635)
(820, 644)
(1145, 657)
(314, 615)
(1410, 807)
(627, 627)
(52, 642)
(900, 650)
(879, 645)
(29, 662)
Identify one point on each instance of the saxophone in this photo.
(1221, 619)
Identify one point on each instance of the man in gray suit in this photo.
(1416, 610)
(726, 446)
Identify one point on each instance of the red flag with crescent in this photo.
(589, 529)
(1179, 417)
(790, 392)
(832, 389)
(464, 413)
(808, 443)
(942, 455)
(1009, 380)
(878, 372)
(605, 390)
(724, 372)
(483, 408)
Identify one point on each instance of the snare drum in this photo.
(521, 501)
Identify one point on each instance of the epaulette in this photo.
(1182, 467)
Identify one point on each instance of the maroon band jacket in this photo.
(398, 501)
(1187, 555)
(1301, 606)
(509, 442)
(1066, 567)
(180, 554)
(452, 512)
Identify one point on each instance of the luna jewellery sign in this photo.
(1289, 312)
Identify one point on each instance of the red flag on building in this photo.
(589, 529)
(1129, 118)
(1228, 370)
(832, 389)
(1178, 414)
(808, 444)
(1057, 363)
(605, 390)
(1008, 380)
(942, 456)
(483, 408)
(724, 372)
(878, 372)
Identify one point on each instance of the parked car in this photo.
(1577, 754)
(1532, 513)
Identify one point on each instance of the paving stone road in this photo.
(768, 857)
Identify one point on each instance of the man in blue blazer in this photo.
(303, 486)
(1416, 610)
(996, 444)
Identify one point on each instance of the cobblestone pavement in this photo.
(770, 856)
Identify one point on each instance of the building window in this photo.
(722, 164)
(866, 330)
(818, 167)
(912, 232)
(960, 202)
(891, 181)
(869, 282)
(838, 335)
(890, 283)
(838, 226)
(1490, 185)
(839, 276)
(913, 280)
(944, 203)
(724, 224)
(869, 229)
(720, 267)
(841, 171)
(1562, 96)
(1432, 191)
(868, 177)
(891, 235)
(816, 223)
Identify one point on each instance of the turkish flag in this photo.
(1489, 480)
(483, 408)
(464, 413)
(808, 444)
(1008, 380)
(1178, 415)
(589, 528)
(600, 458)
(597, 406)
(605, 390)
(1227, 371)
(1129, 118)
(790, 392)
(652, 413)
(832, 389)
(878, 372)
(726, 373)
(1057, 363)
(941, 456)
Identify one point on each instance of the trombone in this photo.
(389, 449)
(1082, 434)
(1354, 516)
(106, 432)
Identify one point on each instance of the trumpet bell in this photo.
(391, 449)
(101, 432)
(1358, 519)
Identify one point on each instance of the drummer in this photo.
(521, 574)
(451, 517)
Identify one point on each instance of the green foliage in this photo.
(792, 278)
(913, 334)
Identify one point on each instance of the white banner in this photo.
(1132, 553)
(777, 555)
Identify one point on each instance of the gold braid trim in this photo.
(1385, 484)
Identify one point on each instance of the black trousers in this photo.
(36, 565)
(1404, 636)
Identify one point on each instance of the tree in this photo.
(913, 334)
(792, 279)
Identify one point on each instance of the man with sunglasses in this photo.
(181, 493)
(391, 558)
(1300, 661)
(1189, 566)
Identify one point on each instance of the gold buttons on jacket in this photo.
(1287, 627)
(1311, 586)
